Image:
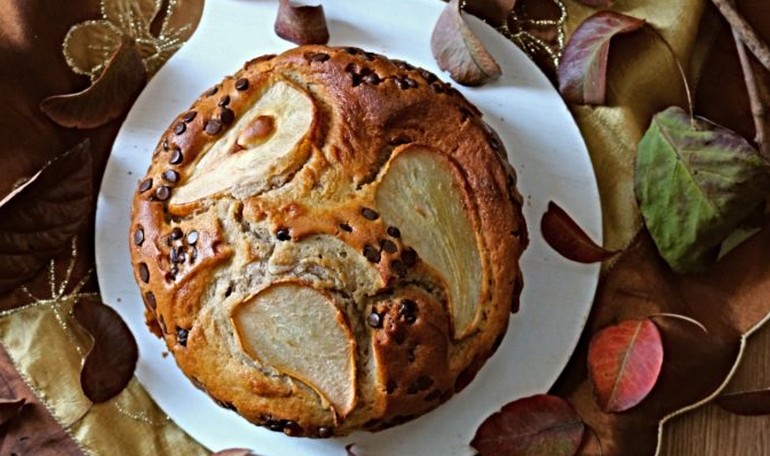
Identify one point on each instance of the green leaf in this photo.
(695, 182)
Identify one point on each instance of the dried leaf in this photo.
(9, 408)
(756, 402)
(583, 66)
(695, 182)
(540, 425)
(110, 364)
(597, 3)
(107, 98)
(41, 218)
(234, 452)
(301, 24)
(624, 363)
(495, 12)
(565, 236)
(458, 51)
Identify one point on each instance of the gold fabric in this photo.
(48, 351)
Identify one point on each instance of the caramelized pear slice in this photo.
(267, 141)
(301, 333)
(421, 194)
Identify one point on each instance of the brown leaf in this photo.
(301, 24)
(234, 452)
(110, 364)
(624, 362)
(565, 236)
(540, 425)
(583, 66)
(41, 218)
(458, 51)
(9, 408)
(495, 12)
(107, 98)
(756, 402)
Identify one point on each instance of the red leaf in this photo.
(565, 236)
(42, 216)
(107, 98)
(458, 51)
(9, 408)
(495, 12)
(624, 363)
(110, 364)
(755, 402)
(540, 425)
(583, 66)
(301, 24)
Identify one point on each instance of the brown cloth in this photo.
(41, 357)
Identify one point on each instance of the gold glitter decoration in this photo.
(89, 45)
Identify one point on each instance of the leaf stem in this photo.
(744, 30)
(758, 112)
(679, 68)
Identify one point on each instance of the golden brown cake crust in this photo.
(214, 227)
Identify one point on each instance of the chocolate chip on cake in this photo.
(176, 156)
(192, 237)
(138, 236)
(394, 232)
(213, 126)
(242, 84)
(181, 336)
(189, 116)
(388, 246)
(283, 234)
(145, 185)
(171, 176)
(180, 128)
(144, 272)
(369, 214)
(372, 254)
(374, 320)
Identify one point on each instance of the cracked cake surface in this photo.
(328, 241)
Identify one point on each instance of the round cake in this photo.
(328, 241)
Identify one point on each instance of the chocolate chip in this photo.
(388, 246)
(242, 84)
(403, 65)
(144, 273)
(409, 256)
(394, 232)
(369, 214)
(180, 128)
(139, 236)
(192, 237)
(162, 193)
(324, 432)
(428, 76)
(390, 387)
(372, 254)
(176, 233)
(374, 320)
(283, 234)
(224, 101)
(355, 79)
(165, 144)
(227, 116)
(398, 267)
(407, 307)
(318, 57)
(401, 82)
(171, 176)
(352, 50)
(149, 298)
(145, 185)
(213, 127)
(372, 79)
(181, 336)
(369, 56)
(189, 116)
(421, 384)
(176, 156)
(212, 91)
(411, 82)
(291, 428)
(346, 227)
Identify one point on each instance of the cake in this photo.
(328, 241)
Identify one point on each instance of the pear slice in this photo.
(421, 195)
(266, 142)
(301, 333)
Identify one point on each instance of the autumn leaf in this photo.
(107, 98)
(624, 363)
(755, 402)
(110, 364)
(540, 425)
(458, 51)
(9, 408)
(565, 236)
(41, 218)
(695, 182)
(583, 66)
(494, 12)
(301, 24)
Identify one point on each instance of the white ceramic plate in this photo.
(544, 146)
